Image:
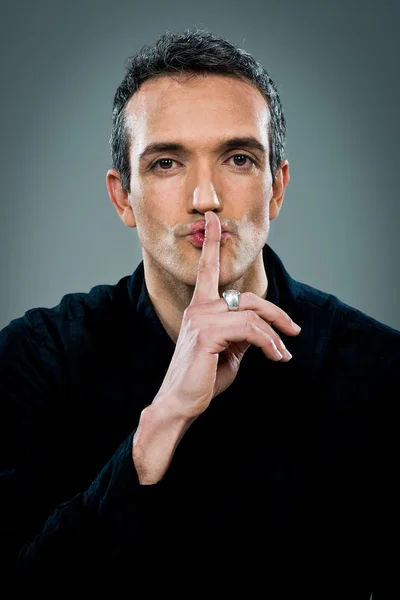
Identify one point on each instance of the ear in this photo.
(282, 178)
(120, 198)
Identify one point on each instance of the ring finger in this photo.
(234, 319)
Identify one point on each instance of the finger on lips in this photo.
(207, 282)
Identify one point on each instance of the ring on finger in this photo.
(232, 299)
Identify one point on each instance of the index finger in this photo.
(207, 282)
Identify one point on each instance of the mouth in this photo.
(197, 238)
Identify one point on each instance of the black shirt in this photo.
(295, 462)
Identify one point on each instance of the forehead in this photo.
(207, 103)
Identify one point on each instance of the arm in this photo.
(208, 352)
(158, 434)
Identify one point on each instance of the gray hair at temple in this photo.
(190, 53)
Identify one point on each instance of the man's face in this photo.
(172, 189)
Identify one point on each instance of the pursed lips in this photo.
(197, 234)
(200, 226)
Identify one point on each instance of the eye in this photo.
(161, 162)
(241, 157)
(165, 164)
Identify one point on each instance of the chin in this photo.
(229, 278)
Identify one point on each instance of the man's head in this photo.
(193, 52)
(217, 120)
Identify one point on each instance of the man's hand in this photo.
(212, 340)
(211, 344)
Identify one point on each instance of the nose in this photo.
(202, 195)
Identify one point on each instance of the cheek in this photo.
(152, 214)
(259, 211)
(142, 202)
(254, 198)
(151, 197)
(255, 221)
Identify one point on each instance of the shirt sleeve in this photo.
(93, 528)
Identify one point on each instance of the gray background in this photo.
(336, 66)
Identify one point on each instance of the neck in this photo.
(171, 297)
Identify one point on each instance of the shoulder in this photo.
(344, 331)
(77, 306)
(50, 328)
(324, 315)
(346, 317)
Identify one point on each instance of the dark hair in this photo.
(192, 52)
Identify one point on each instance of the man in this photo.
(184, 403)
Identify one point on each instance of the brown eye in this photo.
(242, 159)
(164, 162)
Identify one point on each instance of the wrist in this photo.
(158, 434)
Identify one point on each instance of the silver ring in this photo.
(232, 298)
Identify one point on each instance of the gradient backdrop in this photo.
(337, 68)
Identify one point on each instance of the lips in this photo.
(200, 227)
(197, 234)
(197, 239)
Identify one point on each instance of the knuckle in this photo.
(276, 339)
(202, 268)
(271, 342)
(193, 322)
(188, 313)
(205, 266)
(249, 316)
(202, 337)
(250, 326)
(250, 297)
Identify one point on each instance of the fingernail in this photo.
(296, 327)
(287, 354)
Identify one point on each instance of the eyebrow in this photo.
(249, 142)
